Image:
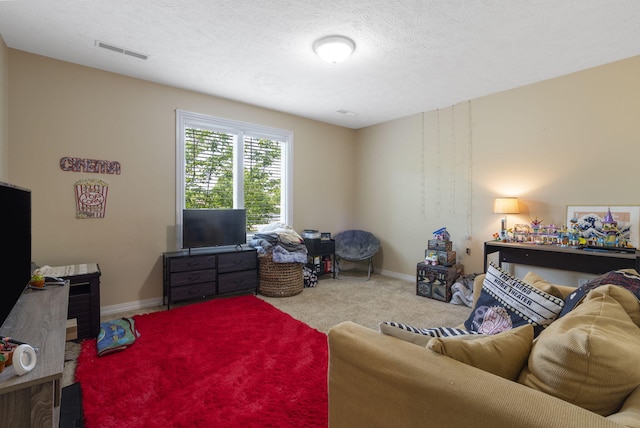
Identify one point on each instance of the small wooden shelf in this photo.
(316, 250)
(84, 299)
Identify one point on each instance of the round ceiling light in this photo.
(334, 49)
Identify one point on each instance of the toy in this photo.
(442, 234)
(432, 259)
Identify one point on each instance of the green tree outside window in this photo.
(209, 174)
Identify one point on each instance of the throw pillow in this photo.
(116, 335)
(625, 278)
(503, 354)
(506, 302)
(589, 357)
(416, 335)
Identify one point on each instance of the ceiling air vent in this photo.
(121, 50)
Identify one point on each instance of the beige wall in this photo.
(4, 111)
(567, 141)
(59, 109)
(571, 140)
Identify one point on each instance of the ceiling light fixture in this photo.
(334, 49)
(346, 112)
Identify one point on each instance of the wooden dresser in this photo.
(208, 272)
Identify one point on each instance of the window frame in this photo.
(241, 129)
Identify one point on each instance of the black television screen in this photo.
(15, 251)
(213, 227)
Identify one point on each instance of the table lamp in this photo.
(507, 205)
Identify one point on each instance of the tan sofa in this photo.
(377, 380)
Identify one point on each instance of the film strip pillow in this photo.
(420, 336)
(433, 332)
(507, 302)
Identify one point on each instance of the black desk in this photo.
(554, 257)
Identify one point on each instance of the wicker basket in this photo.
(279, 279)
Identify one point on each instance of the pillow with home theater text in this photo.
(507, 302)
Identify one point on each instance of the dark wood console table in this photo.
(563, 258)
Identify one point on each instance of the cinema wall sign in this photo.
(89, 165)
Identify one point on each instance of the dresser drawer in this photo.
(237, 281)
(183, 264)
(193, 277)
(233, 262)
(193, 291)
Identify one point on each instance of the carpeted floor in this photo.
(333, 301)
(368, 303)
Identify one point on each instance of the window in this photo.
(228, 164)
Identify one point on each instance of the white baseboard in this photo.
(157, 301)
(397, 275)
(131, 306)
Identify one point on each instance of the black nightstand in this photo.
(322, 254)
(84, 297)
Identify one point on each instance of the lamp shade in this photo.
(334, 49)
(506, 205)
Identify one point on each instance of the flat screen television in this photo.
(213, 227)
(15, 247)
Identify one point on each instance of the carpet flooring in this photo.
(368, 303)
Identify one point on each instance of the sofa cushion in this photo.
(589, 357)
(503, 354)
(540, 283)
(417, 335)
(506, 302)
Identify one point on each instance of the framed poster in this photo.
(589, 220)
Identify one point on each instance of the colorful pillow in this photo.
(506, 302)
(503, 354)
(625, 278)
(116, 335)
(419, 336)
(589, 357)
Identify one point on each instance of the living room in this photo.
(567, 140)
(564, 141)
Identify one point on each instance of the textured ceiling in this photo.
(411, 55)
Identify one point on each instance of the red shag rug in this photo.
(231, 362)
